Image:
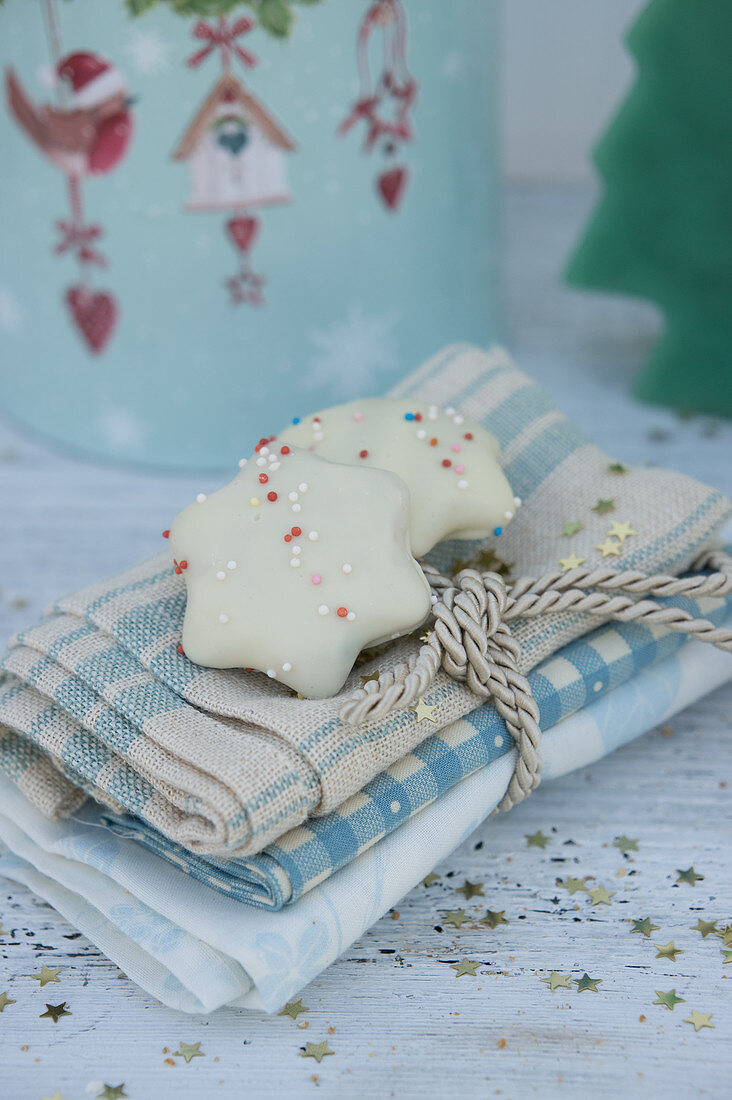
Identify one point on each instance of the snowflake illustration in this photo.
(121, 429)
(11, 315)
(350, 353)
(148, 52)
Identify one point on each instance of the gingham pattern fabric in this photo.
(580, 673)
(225, 763)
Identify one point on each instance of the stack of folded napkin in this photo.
(226, 778)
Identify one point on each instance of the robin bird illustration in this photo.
(91, 135)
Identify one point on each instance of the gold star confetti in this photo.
(318, 1051)
(55, 1012)
(725, 935)
(699, 1019)
(668, 999)
(617, 468)
(625, 844)
(573, 884)
(609, 548)
(112, 1092)
(489, 562)
(471, 889)
(367, 679)
(47, 974)
(601, 896)
(727, 952)
(455, 917)
(645, 927)
(536, 840)
(494, 919)
(465, 966)
(689, 876)
(571, 528)
(426, 636)
(572, 562)
(188, 1051)
(5, 1000)
(293, 1009)
(622, 530)
(705, 927)
(603, 507)
(431, 879)
(668, 951)
(556, 981)
(586, 982)
(423, 711)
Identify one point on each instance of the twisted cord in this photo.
(473, 643)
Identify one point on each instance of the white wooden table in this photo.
(399, 1020)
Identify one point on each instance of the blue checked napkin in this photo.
(579, 674)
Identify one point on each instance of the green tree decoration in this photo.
(274, 16)
(663, 228)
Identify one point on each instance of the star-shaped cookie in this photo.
(450, 465)
(296, 566)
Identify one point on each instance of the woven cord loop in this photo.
(472, 640)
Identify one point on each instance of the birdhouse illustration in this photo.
(237, 151)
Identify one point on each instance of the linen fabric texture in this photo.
(96, 699)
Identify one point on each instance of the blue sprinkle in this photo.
(498, 531)
(409, 416)
(296, 420)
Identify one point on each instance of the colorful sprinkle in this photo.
(284, 450)
(295, 563)
(347, 568)
(316, 578)
(468, 435)
(292, 495)
(303, 486)
(296, 531)
(179, 649)
(363, 454)
(297, 508)
(498, 531)
(272, 496)
(446, 462)
(288, 538)
(254, 501)
(358, 416)
(313, 536)
(342, 612)
(287, 667)
(242, 463)
(263, 479)
(323, 609)
(459, 469)
(221, 576)
(455, 447)
(462, 484)
(200, 498)
(231, 565)
(223, 618)
(433, 442)
(296, 420)
(407, 416)
(166, 533)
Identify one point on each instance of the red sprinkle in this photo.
(468, 435)
(446, 462)
(179, 647)
(316, 420)
(272, 439)
(363, 454)
(418, 416)
(184, 565)
(288, 538)
(284, 450)
(178, 570)
(433, 442)
(297, 531)
(271, 496)
(166, 533)
(342, 612)
(263, 479)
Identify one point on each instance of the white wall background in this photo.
(564, 69)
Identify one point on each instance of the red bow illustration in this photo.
(80, 238)
(222, 36)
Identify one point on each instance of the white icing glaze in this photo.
(449, 463)
(287, 605)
